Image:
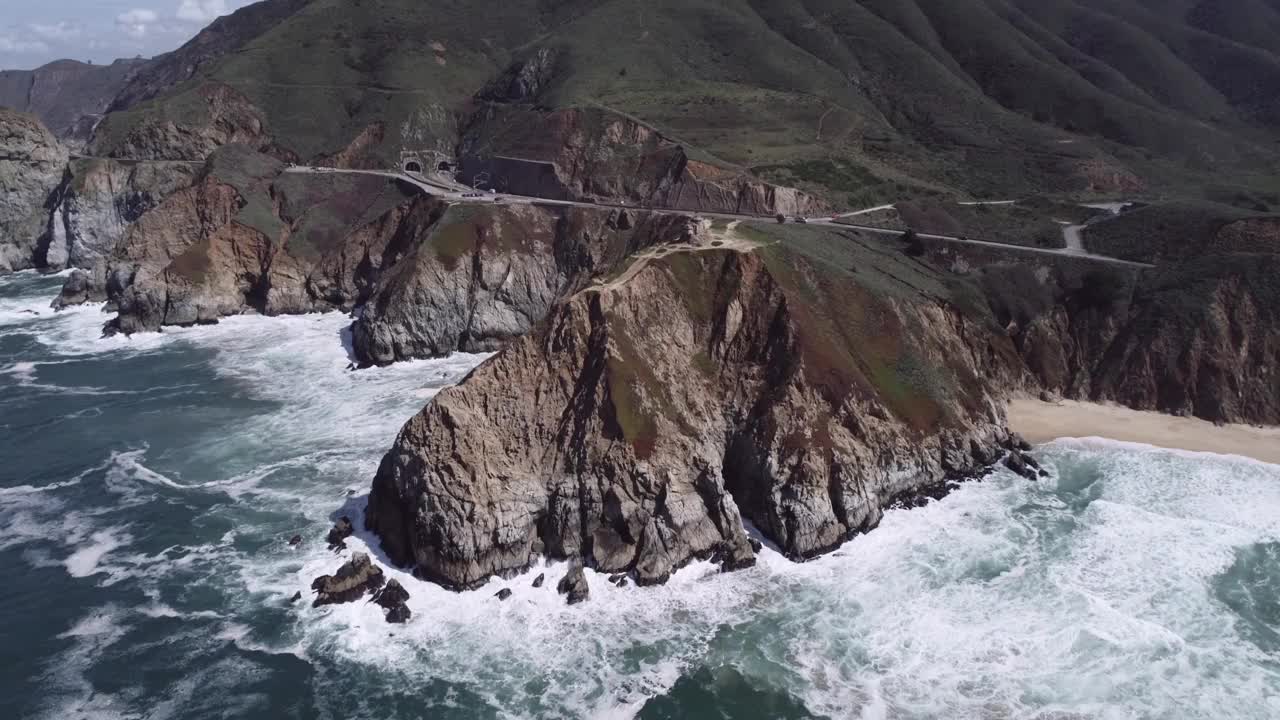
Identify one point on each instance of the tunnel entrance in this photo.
(445, 167)
(413, 166)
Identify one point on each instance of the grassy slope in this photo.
(842, 287)
(862, 99)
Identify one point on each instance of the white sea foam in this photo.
(69, 691)
(1086, 594)
(998, 601)
(84, 561)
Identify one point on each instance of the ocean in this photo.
(149, 487)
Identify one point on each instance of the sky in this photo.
(34, 32)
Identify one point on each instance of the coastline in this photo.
(1040, 422)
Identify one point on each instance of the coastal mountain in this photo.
(852, 100)
(68, 96)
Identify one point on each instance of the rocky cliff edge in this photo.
(722, 380)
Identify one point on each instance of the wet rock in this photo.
(349, 583)
(391, 595)
(1017, 442)
(295, 541)
(503, 594)
(1017, 462)
(537, 582)
(756, 545)
(338, 535)
(617, 579)
(574, 584)
(399, 614)
(983, 454)
(296, 597)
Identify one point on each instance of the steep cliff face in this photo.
(245, 238)
(584, 153)
(1200, 337)
(485, 275)
(649, 416)
(97, 202)
(31, 164)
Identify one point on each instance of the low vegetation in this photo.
(1180, 231)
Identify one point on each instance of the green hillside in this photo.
(854, 99)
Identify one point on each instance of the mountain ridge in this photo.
(974, 97)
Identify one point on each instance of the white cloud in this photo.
(202, 11)
(59, 31)
(10, 45)
(136, 22)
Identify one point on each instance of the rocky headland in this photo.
(655, 414)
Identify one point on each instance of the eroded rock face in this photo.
(271, 246)
(100, 199)
(645, 420)
(1200, 337)
(582, 154)
(31, 167)
(485, 275)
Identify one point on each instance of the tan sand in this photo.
(1041, 422)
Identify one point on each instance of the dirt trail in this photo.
(727, 238)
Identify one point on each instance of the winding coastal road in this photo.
(448, 189)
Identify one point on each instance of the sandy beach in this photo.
(1041, 422)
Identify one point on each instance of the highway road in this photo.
(445, 188)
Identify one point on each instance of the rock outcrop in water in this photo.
(574, 585)
(395, 599)
(350, 583)
(31, 165)
(650, 416)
